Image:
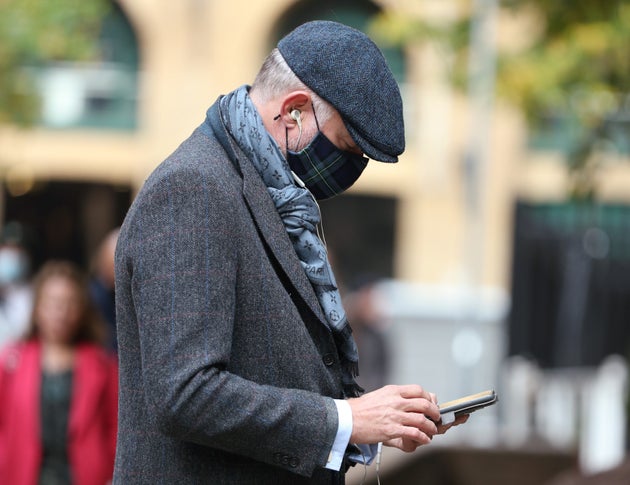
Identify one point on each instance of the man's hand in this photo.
(403, 417)
(400, 416)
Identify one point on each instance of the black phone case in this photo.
(468, 404)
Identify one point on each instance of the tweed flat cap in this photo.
(344, 67)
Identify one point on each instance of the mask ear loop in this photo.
(315, 116)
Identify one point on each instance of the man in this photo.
(237, 364)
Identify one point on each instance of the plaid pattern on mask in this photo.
(325, 169)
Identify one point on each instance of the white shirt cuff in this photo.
(335, 458)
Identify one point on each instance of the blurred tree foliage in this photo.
(575, 65)
(34, 32)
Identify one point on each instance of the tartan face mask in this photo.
(325, 169)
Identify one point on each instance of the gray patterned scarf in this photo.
(300, 214)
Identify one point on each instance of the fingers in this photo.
(402, 413)
(461, 419)
(403, 444)
(420, 401)
(418, 426)
(425, 407)
(411, 439)
(413, 390)
(404, 417)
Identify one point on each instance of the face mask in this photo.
(325, 169)
(13, 266)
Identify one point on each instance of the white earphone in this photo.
(297, 116)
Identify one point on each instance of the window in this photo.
(100, 94)
(354, 13)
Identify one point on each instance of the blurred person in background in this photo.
(102, 285)
(15, 289)
(58, 389)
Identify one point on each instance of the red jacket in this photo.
(92, 419)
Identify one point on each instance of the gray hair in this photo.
(276, 78)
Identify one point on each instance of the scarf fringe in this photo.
(350, 386)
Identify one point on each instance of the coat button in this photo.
(294, 462)
(329, 359)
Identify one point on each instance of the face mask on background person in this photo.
(13, 265)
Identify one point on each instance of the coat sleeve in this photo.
(180, 256)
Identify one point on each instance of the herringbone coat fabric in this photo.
(221, 380)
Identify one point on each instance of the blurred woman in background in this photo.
(58, 389)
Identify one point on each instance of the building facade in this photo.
(175, 58)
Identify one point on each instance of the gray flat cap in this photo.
(344, 67)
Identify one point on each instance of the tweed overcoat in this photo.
(221, 379)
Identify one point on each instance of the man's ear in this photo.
(293, 107)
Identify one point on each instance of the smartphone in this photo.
(466, 405)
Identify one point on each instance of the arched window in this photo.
(101, 94)
(357, 14)
(354, 13)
